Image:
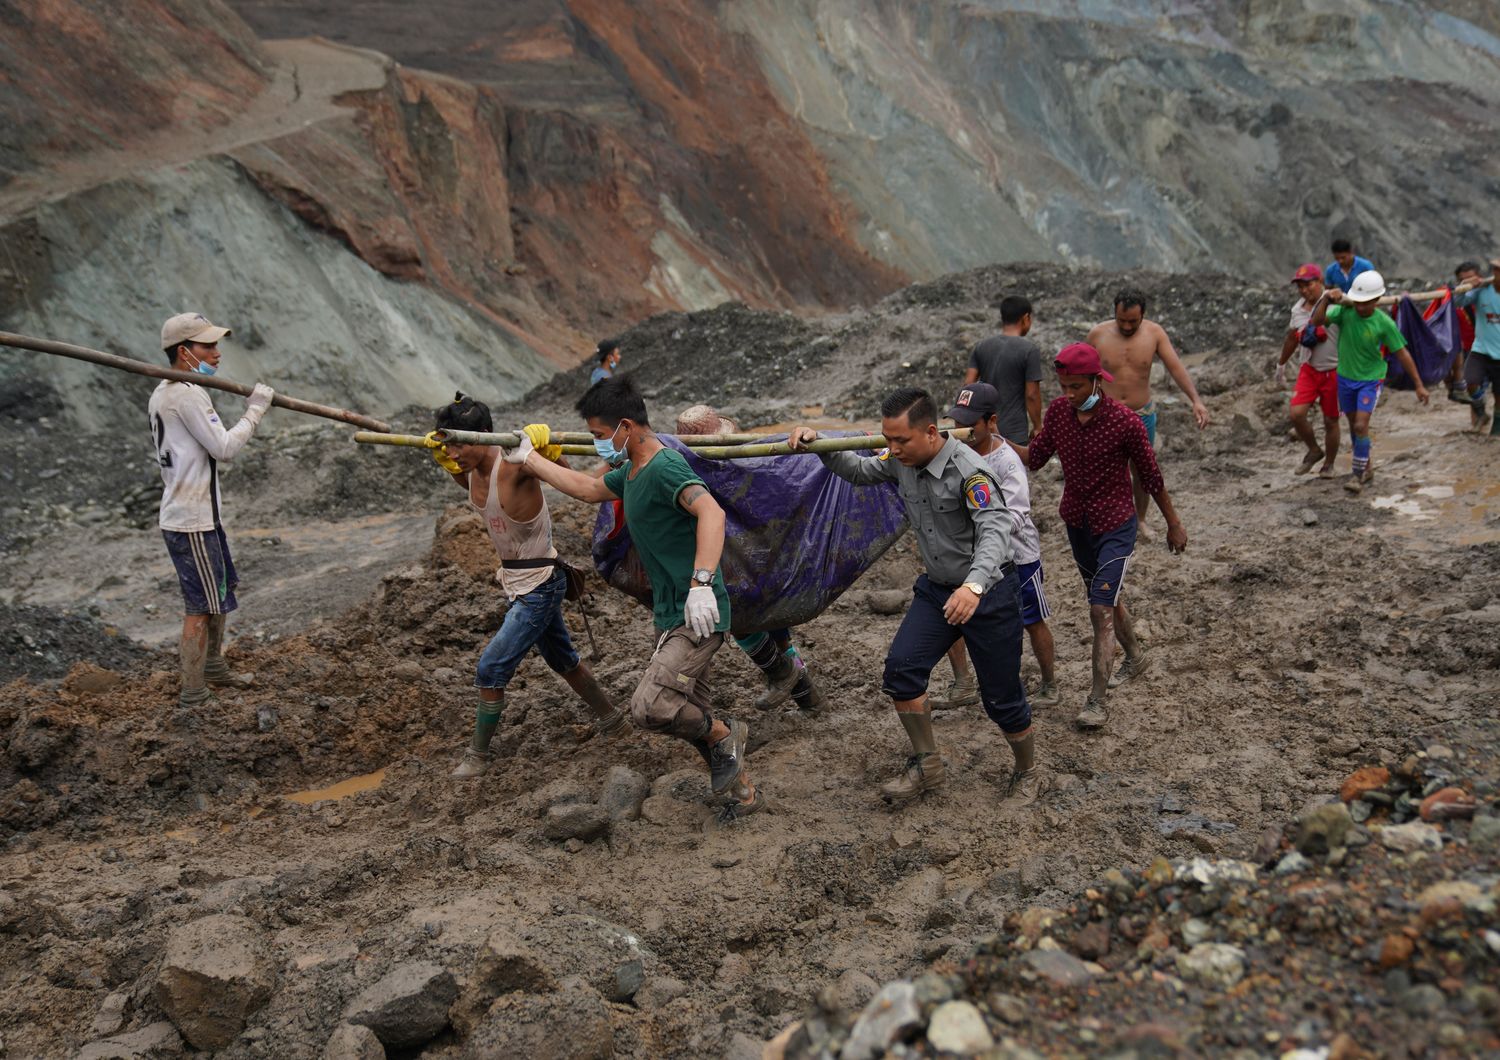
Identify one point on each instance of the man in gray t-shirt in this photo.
(1012, 364)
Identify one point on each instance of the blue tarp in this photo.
(796, 536)
(1433, 343)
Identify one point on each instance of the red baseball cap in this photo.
(1307, 272)
(1079, 358)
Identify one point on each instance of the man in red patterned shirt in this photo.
(1097, 439)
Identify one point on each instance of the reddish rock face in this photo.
(1370, 778)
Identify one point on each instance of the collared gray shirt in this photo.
(963, 530)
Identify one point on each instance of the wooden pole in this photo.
(1431, 296)
(417, 441)
(708, 452)
(211, 382)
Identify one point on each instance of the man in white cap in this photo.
(1363, 330)
(190, 442)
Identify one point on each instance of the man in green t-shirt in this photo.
(1363, 330)
(678, 530)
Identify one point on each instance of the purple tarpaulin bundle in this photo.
(795, 537)
(1433, 343)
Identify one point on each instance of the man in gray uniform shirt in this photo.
(970, 589)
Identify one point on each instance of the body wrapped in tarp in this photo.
(1433, 342)
(795, 536)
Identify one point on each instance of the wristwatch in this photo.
(975, 588)
(703, 577)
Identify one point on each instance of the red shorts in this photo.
(1321, 387)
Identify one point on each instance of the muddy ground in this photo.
(1304, 633)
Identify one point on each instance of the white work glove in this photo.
(519, 454)
(260, 398)
(1281, 375)
(702, 611)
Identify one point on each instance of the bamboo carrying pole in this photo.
(1431, 296)
(708, 452)
(212, 382)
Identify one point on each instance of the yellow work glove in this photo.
(541, 435)
(441, 458)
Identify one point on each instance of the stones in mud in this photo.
(155, 1041)
(575, 820)
(1410, 837)
(1370, 778)
(1092, 942)
(958, 1027)
(1447, 804)
(890, 1016)
(407, 1006)
(216, 972)
(352, 1041)
(1323, 830)
(571, 1023)
(608, 958)
(1484, 834)
(1214, 964)
(853, 990)
(887, 601)
(505, 965)
(624, 791)
(1059, 968)
(662, 990)
(111, 1015)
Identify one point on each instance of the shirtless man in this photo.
(1128, 344)
(515, 513)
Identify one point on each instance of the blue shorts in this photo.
(1147, 413)
(533, 620)
(1359, 395)
(1103, 559)
(992, 635)
(1034, 607)
(205, 570)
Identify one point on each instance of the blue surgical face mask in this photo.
(605, 447)
(204, 369)
(1093, 399)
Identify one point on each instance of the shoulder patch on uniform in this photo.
(884, 454)
(979, 488)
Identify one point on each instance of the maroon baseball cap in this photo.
(1079, 358)
(1307, 272)
(975, 402)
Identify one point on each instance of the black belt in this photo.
(529, 564)
(1006, 568)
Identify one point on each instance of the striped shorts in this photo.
(205, 570)
(1034, 606)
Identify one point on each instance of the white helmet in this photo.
(1367, 286)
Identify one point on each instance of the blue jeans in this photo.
(533, 619)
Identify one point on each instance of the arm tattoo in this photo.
(690, 494)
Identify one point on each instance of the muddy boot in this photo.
(217, 673)
(1025, 779)
(806, 694)
(781, 677)
(609, 721)
(476, 760)
(963, 692)
(1046, 695)
(745, 799)
(189, 698)
(923, 773)
(1093, 715)
(1131, 668)
(727, 757)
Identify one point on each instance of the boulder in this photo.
(624, 791)
(111, 1015)
(407, 1006)
(215, 973)
(571, 1023)
(891, 1016)
(606, 957)
(155, 1041)
(1410, 837)
(1214, 964)
(1059, 968)
(888, 601)
(350, 1041)
(575, 820)
(504, 965)
(1323, 829)
(958, 1027)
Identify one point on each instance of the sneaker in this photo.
(1354, 484)
(1131, 668)
(615, 723)
(1309, 460)
(779, 685)
(1046, 695)
(963, 692)
(1093, 715)
(739, 806)
(1458, 392)
(474, 764)
(1327, 471)
(726, 758)
(1023, 788)
(923, 773)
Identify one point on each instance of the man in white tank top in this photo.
(520, 527)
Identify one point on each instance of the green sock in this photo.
(486, 721)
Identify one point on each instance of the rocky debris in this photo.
(661, 990)
(155, 1041)
(1323, 830)
(504, 965)
(41, 642)
(1484, 834)
(853, 990)
(609, 959)
(351, 1041)
(407, 1006)
(1212, 963)
(576, 820)
(216, 972)
(572, 1023)
(1447, 804)
(1412, 836)
(624, 791)
(1059, 969)
(958, 1027)
(111, 1015)
(889, 1017)
(1370, 778)
(887, 601)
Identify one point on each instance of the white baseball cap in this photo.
(190, 327)
(1367, 286)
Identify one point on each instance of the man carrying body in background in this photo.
(1363, 329)
(1485, 302)
(969, 590)
(520, 528)
(772, 652)
(1096, 438)
(1128, 345)
(678, 530)
(1317, 375)
(1012, 364)
(975, 407)
(190, 442)
(1345, 266)
(608, 353)
(1467, 382)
